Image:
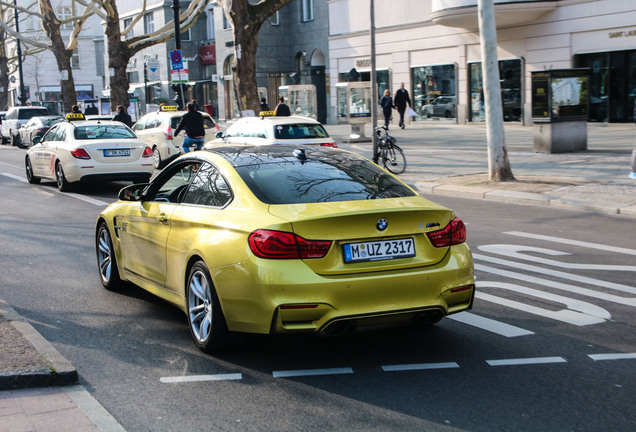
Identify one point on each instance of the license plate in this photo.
(379, 250)
(117, 152)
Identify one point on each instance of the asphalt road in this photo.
(549, 346)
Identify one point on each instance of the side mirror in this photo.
(219, 134)
(132, 192)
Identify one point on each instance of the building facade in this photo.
(433, 47)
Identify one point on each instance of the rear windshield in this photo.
(299, 131)
(94, 132)
(325, 180)
(25, 114)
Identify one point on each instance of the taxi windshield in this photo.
(94, 132)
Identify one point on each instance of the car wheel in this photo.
(16, 141)
(106, 261)
(156, 156)
(205, 317)
(62, 184)
(447, 114)
(428, 114)
(29, 172)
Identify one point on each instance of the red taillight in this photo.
(284, 245)
(331, 144)
(80, 153)
(147, 152)
(454, 233)
(169, 133)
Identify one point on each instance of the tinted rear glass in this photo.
(340, 177)
(95, 132)
(299, 131)
(26, 114)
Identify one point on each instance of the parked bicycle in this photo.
(389, 153)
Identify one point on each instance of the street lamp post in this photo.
(374, 87)
(178, 89)
(23, 97)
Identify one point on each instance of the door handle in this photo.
(162, 218)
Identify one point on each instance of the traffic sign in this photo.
(153, 69)
(177, 61)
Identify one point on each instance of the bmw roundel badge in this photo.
(381, 225)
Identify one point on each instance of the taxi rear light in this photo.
(454, 233)
(169, 134)
(80, 153)
(331, 144)
(147, 152)
(284, 245)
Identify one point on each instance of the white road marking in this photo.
(311, 372)
(198, 378)
(490, 325)
(613, 356)
(419, 366)
(526, 361)
(579, 313)
(15, 177)
(515, 251)
(573, 242)
(72, 195)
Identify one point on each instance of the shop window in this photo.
(434, 91)
(510, 79)
(382, 78)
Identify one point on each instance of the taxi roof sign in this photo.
(168, 108)
(75, 116)
(267, 113)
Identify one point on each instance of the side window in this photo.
(50, 134)
(141, 124)
(208, 188)
(208, 123)
(61, 134)
(173, 185)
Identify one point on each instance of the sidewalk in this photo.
(39, 389)
(450, 159)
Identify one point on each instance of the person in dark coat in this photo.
(400, 100)
(192, 123)
(122, 116)
(264, 106)
(387, 107)
(282, 109)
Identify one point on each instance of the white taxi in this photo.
(268, 129)
(73, 151)
(156, 129)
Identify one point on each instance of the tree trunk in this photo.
(118, 57)
(245, 46)
(498, 164)
(62, 56)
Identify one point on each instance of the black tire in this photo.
(62, 184)
(106, 260)
(16, 140)
(156, 157)
(29, 172)
(394, 160)
(447, 114)
(205, 317)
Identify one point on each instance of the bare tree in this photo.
(121, 49)
(246, 20)
(63, 51)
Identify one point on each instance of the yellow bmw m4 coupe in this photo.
(284, 239)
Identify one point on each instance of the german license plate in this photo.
(117, 152)
(379, 250)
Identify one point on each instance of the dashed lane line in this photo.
(419, 366)
(312, 372)
(613, 356)
(197, 378)
(526, 361)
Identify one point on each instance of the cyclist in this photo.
(192, 122)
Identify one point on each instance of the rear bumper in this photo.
(285, 296)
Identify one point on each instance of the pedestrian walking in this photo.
(282, 109)
(192, 123)
(400, 100)
(264, 106)
(387, 107)
(122, 116)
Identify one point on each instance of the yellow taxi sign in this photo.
(267, 113)
(75, 116)
(168, 108)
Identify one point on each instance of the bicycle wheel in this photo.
(393, 159)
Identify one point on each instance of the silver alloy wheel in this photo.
(104, 257)
(59, 174)
(200, 306)
(156, 156)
